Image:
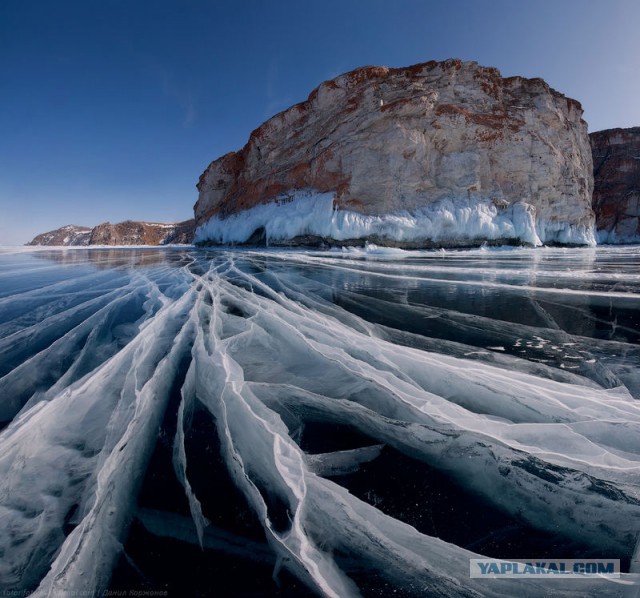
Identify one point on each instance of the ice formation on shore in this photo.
(456, 222)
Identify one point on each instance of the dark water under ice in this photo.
(289, 423)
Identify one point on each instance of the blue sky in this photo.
(111, 109)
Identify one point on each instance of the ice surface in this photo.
(342, 462)
(512, 375)
(458, 219)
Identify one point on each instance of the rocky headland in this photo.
(122, 233)
(436, 154)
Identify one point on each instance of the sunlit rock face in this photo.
(142, 233)
(122, 233)
(469, 155)
(616, 194)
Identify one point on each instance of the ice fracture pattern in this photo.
(296, 423)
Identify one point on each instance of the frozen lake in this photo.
(291, 423)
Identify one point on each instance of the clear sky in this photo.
(111, 109)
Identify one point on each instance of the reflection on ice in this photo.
(348, 423)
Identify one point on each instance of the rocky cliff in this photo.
(142, 233)
(434, 154)
(616, 193)
(122, 233)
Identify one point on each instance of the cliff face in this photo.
(66, 235)
(433, 153)
(123, 233)
(616, 194)
(142, 233)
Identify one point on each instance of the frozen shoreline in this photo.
(448, 222)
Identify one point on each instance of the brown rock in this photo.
(142, 233)
(616, 193)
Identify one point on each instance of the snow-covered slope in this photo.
(66, 235)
